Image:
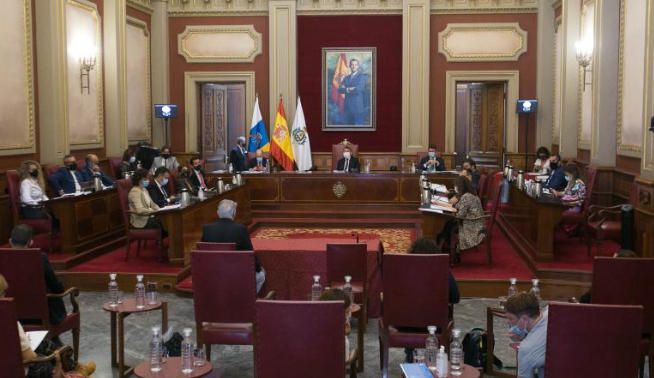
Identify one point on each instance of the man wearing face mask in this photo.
(165, 159)
(471, 173)
(528, 325)
(258, 163)
(556, 180)
(67, 179)
(158, 190)
(431, 162)
(197, 175)
(92, 169)
(238, 155)
(348, 163)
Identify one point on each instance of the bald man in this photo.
(238, 156)
(92, 169)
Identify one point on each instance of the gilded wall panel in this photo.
(139, 111)
(586, 94)
(16, 79)
(482, 42)
(219, 43)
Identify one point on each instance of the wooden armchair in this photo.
(337, 151)
(603, 222)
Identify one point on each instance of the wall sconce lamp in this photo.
(86, 64)
(585, 58)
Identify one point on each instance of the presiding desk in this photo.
(325, 187)
(184, 224)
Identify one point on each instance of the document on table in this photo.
(441, 208)
(35, 338)
(416, 371)
(170, 207)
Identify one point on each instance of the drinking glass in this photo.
(151, 293)
(418, 356)
(119, 297)
(164, 354)
(199, 357)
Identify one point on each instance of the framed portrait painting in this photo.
(348, 88)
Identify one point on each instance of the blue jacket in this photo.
(556, 180)
(87, 175)
(62, 180)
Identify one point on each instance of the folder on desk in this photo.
(416, 371)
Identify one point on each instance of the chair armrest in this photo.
(73, 292)
(52, 357)
(271, 295)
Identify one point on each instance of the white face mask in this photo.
(432, 154)
(347, 155)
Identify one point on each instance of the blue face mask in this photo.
(520, 332)
(568, 178)
(146, 183)
(259, 159)
(132, 159)
(164, 182)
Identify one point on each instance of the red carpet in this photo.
(114, 261)
(571, 253)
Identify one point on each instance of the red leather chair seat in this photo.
(72, 321)
(573, 218)
(228, 333)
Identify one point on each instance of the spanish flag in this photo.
(340, 71)
(281, 148)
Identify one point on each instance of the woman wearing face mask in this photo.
(32, 192)
(141, 206)
(573, 195)
(542, 163)
(128, 164)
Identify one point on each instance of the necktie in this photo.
(201, 179)
(347, 165)
(78, 188)
(163, 191)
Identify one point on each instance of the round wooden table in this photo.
(468, 372)
(172, 368)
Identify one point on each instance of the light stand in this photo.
(527, 141)
(166, 120)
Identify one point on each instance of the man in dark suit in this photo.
(225, 230)
(92, 169)
(21, 238)
(348, 163)
(432, 162)
(556, 180)
(196, 176)
(258, 163)
(238, 156)
(67, 179)
(159, 191)
(355, 88)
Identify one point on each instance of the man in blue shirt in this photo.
(67, 179)
(355, 88)
(556, 180)
(528, 326)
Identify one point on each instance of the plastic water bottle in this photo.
(139, 292)
(441, 363)
(316, 289)
(187, 352)
(535, 289)
(431, 348)
(113, 290)
(456, 353)
(513, 289)
(347, 288)
(155, 350)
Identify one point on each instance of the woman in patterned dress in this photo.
(573, 195)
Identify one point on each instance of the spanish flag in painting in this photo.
(340, 72)
(281, 148)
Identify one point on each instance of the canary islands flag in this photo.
(281, 148)
(258, 135)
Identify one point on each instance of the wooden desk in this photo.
(87, 220)
(184, 225)
(331, 188)
(530, 223)
(432, 223)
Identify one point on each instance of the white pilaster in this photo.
(282, 42)
(647, 159)
(115, 23)
(570, 78)
(160, 65)
(545, 80)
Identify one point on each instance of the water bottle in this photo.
(316, 289)
(441, 363)
(431, 348)
(187, 352)
(155, 350)
(347, 288)
(113, 290)
(456, 353)
(139, 292)
(513, 289)
(230, 168)
(535, 289)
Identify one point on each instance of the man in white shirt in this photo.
(528, 326)
(165, 159)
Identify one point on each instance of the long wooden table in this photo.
(184, 224)
(87, 220)
(530, 222)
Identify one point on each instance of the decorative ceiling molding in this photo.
(142, 5)
(482, 42)
(219, 43)
(484, 6)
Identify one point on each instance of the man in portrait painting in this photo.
(355, 88)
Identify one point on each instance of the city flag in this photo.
(258, 135)
(281, 148)
(340, 72)
(300, 140)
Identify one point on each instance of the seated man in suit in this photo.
(348, 163)
(432, 162)
(196, 176)
(92, 169)
(470, 171)
(67, 179)
(165, 159)
(159, 191)
(228, 231)
(258, 163)
(556, 180)
(238, 156)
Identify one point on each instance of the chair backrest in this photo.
(337, 151)
(123, 187)
(591, 172)
(633, 194)
(415, 290)
(114, 163)
(625, 281)
(592, 340)
(347, 259)
(207, 246)
(172, 183)
(494, 206)
(50, 169)
(224, 286)
(23, 269)
(300, 339)
(11, 361)
(13, 185)
(481, 186)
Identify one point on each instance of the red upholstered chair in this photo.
(172, 186)
(584, 341)
(50, 169)
(482, 186)
(415, 296)
(300, 339)
(139, 234)
(114, 164)
(206, 246)
(494, 191)
(337, 152)
(42, 226)
(224, 292)
(604, 222)
(628, 281)
(23, 269)
(580, 217)
(349, 260)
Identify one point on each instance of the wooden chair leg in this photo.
(383, 358)
(138, 248)
(129, 244)
(489, 252)
(76, 343)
